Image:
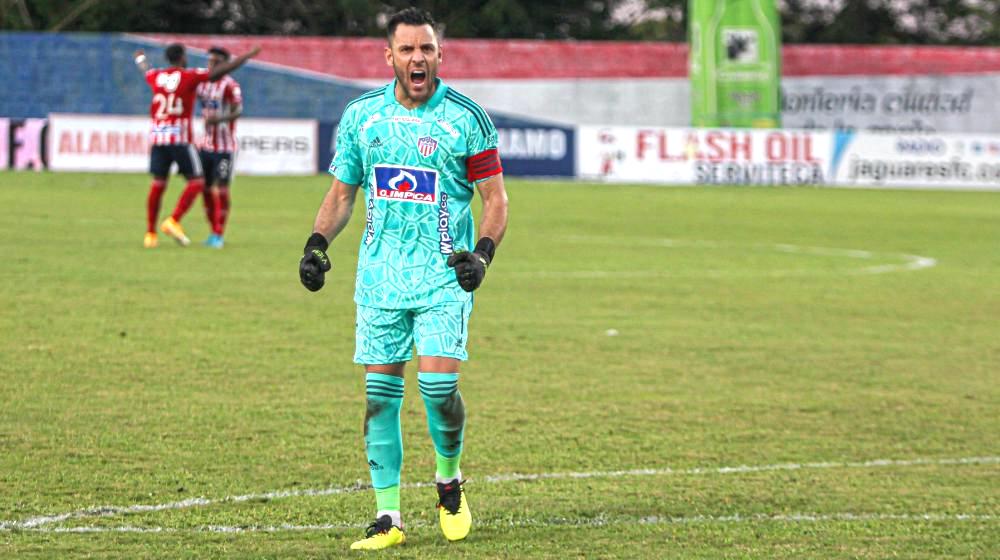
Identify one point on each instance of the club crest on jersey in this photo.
(406, 184)
(427, 146)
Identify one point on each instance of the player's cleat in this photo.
(379, 535)
(215, 241)
(174, 229)
(453, 510)
(150, 241)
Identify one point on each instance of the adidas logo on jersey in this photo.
(376, 143)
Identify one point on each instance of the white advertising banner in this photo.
(689, 156)
(935, 161)
(276, 147)
(685, 156)
(98, 143)
(120, 143)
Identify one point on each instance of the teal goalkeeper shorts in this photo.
(387, 336)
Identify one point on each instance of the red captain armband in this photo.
(482, 165)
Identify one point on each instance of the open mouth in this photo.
(418, 77)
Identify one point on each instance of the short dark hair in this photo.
(174, 53)
(409, 16)
(219, 51)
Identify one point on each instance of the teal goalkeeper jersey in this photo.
(418, 169)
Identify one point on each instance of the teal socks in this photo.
(445, 420)
(383, 437)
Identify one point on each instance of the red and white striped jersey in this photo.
(216, 99)
(173, 103)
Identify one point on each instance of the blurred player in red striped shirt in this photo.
(221, 104)
(170, 133)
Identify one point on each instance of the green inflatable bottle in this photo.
(735, 63)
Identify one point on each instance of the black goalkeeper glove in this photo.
(470, 268)
(314, 263)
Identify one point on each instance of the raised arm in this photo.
(228, 66)
(140, 61)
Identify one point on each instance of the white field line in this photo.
(108, 511)
(844, 517)
(909, 262)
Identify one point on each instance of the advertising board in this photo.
(933, 161)
(689, 156)
(121, 143)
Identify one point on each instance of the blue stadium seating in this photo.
(94, 73)
(90, 73)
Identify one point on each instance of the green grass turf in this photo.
(133, 377)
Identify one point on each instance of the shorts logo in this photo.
(406, 184)
(427, 146)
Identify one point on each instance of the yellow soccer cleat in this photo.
(150, 241)
(453, 510)
(381, 534)
(174, 229)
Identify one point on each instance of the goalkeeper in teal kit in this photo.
(420, 150)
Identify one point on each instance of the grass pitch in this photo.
(806, 334)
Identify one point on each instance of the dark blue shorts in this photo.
(161, 158)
